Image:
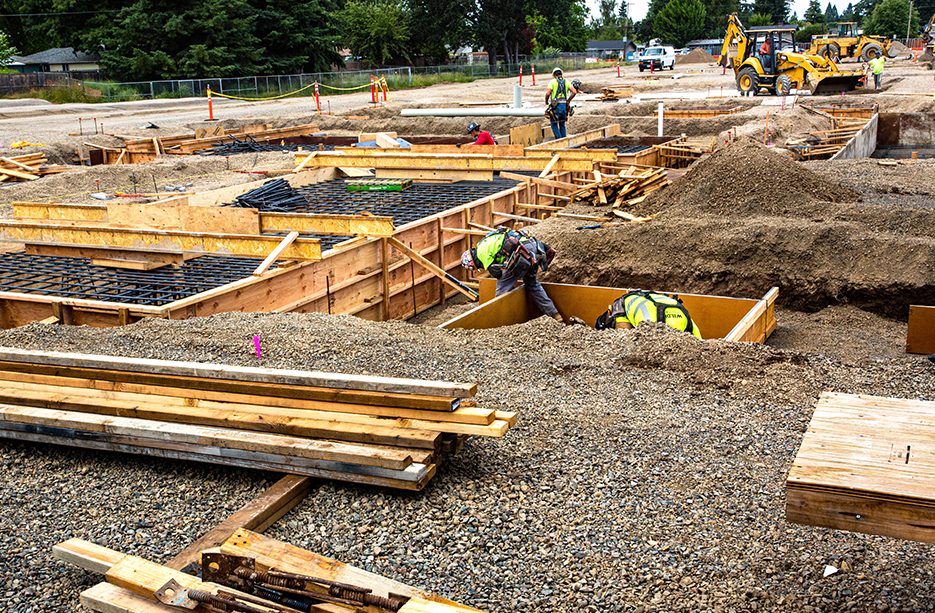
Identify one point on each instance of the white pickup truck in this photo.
(657, 58)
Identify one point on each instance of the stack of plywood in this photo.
(612, 94)
(132, 582)
(866, 464)
(27, 167)
(630, 186)
(375, 430)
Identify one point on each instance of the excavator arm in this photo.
(735, 33)
(928, 32)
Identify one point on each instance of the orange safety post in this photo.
(317, 99)
(386, 88)
(533, 74)
(210, 106)
(373, 89)
(618, 71)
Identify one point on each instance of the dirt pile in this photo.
(747, 178)
(897, 49)
(696, 56)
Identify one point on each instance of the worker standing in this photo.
(558, 97)
(876, 66)
(481, 137)
(510, 255)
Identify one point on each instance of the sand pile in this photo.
(749, 179)
(897, 49)
(696, 56)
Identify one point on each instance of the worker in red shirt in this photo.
(481, 137)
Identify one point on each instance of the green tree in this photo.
(680, 21)
(169, 39)
(805, 33)
(35, 29)
(848, 13)
(760, 19)
(564, 25)
(863, 8)
(646, 25)
(500, 28)
(442, 26)
(716, 12)
(297, 35)
(6, 49)
(377, 30)
(831, 13)
(606, 26)
(814, 14)
(778, 10)
(891, 17)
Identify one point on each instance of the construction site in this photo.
(243, 366)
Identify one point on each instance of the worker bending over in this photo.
(510, 255)
(633, 308)
(557, 101)
(481, 137)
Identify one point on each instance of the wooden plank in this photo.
(52, 212)
(385, 141)
(107, 598)
(412, 478)
(369, 158)
(525, 135)
(920, 337)
(340, 225)
(211, 436)
(758, 323)
(176, 258)
(553, 162)
(127, 264)
(258, 514)
(84, 554)
(229, 244)
(431, 266)
(18, 174)
(243, 373)
(275, 253)
(177, 214)
(271, 553)
(434, 174)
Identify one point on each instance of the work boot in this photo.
(558, 317)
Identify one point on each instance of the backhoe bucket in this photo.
(833, 83)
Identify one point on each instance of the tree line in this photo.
(170, 39)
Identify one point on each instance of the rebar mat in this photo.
(78, 278)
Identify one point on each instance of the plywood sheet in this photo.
(921, 335)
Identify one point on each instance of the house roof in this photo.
(609, 44)
(57, 55)
(704, 41)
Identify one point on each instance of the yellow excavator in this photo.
(928, 36)
(766, 60)
(848, 43)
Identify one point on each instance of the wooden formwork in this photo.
(921, 335)
(724, 317)
(365, 276)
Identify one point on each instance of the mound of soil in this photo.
(897, 49)
(747, 178)
(696, 56)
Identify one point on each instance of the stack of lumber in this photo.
(612, 94)
(27, 167)
(866, 465)
(628, 187)
(374, 430)
(132, 582)
(683, 153)
(823, 144)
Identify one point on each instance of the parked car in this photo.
(658, 58)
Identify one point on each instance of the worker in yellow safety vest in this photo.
(633, 308)
(876, 67)
(558, 99)
(510, 255)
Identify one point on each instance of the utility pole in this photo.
(909, 23)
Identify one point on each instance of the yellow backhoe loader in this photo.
(928, 36)
(848, 43)
(766, 60)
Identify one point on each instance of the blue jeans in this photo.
(560, 115)
(534, 290)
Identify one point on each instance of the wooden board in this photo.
(867, 464)
(381, 159)
(245, 373)
(921, 335)
(178, 215)
(526, 135)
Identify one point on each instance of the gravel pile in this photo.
(646, 472)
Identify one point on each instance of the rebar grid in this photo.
(71, 277)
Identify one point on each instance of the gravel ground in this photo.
(646, 472)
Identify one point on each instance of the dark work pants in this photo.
(535, 291)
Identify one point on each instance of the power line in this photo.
(58, 13)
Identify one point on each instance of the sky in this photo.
(638, 7)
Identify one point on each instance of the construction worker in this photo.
(766, 56)
(633, 308)
(876, 67)
(481, 137)
(558, 97)
(510, 255)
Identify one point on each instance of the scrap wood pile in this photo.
(27, 167)
(373, 430)
(825, 143)
(630, 186)
(612, 94)
(683, 153)
(248, 572)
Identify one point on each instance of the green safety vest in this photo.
(559, 93)
(876, 64)
(488, 249)
(639, 306)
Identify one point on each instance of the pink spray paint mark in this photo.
(256, 344)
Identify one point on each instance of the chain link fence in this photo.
(278, 85)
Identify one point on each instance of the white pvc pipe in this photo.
(661, 113)
(517, 97)
(474, 112)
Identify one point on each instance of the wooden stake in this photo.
(275, 253)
